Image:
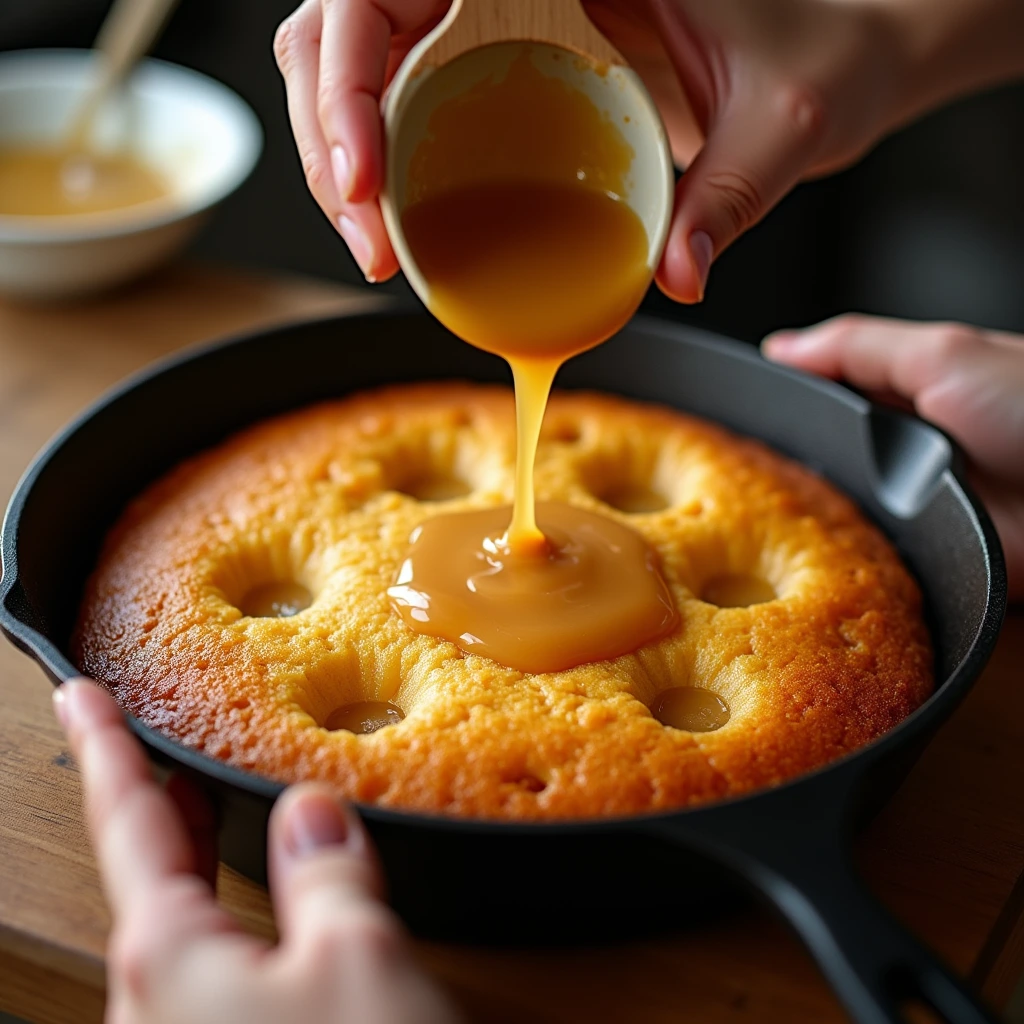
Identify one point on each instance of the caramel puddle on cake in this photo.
(690, 708)
(364, 716)
(518, 225)
(276, 600)
(37, 181)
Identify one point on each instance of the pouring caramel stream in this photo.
(519, 225)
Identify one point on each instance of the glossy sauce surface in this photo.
(364, 716)
(530, 269)
(691, 708)
(518, 222)
(278, 600)
(41, 182)
(594, 594)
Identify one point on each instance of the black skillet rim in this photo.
(940, 704)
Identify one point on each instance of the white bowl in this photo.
(198, 134)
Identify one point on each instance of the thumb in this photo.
(324, 877)
(756, 151)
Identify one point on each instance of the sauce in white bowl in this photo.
(199, 138)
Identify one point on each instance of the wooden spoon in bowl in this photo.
(127, 33)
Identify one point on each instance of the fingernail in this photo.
(359, 245)
(342, 171)
(786, 343)
(779, 341)
(63, 701)
(701, 251)
(60, 706)
(314, 823)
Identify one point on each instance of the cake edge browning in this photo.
(322, 494)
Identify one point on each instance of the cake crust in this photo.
(327, 497)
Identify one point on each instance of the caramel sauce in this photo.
(530, 270)
(275, 600)
(594, 593)
(517, 221)
(364, 716)
(690, 708)
(738, 590)
(52, 182)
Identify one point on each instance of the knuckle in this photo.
(951, 340)
(287, 40)
(335, 870)
(738, 197)
(131, 962)
(315, 172)
(369, 929)
(328, 98)
(145, 946)
(803, 110)
(846, 325)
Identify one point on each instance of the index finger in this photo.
(355, 44)
(139, 837)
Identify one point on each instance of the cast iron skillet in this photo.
(461, 878)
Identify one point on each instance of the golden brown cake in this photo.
(324, 501)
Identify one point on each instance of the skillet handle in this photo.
(875, 966)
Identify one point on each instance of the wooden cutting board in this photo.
(946, 855)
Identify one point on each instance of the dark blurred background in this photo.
(929, 226)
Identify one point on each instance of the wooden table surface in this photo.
(946, 855)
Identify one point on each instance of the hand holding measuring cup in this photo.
(755, 98)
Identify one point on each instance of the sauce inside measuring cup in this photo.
(518, 221)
